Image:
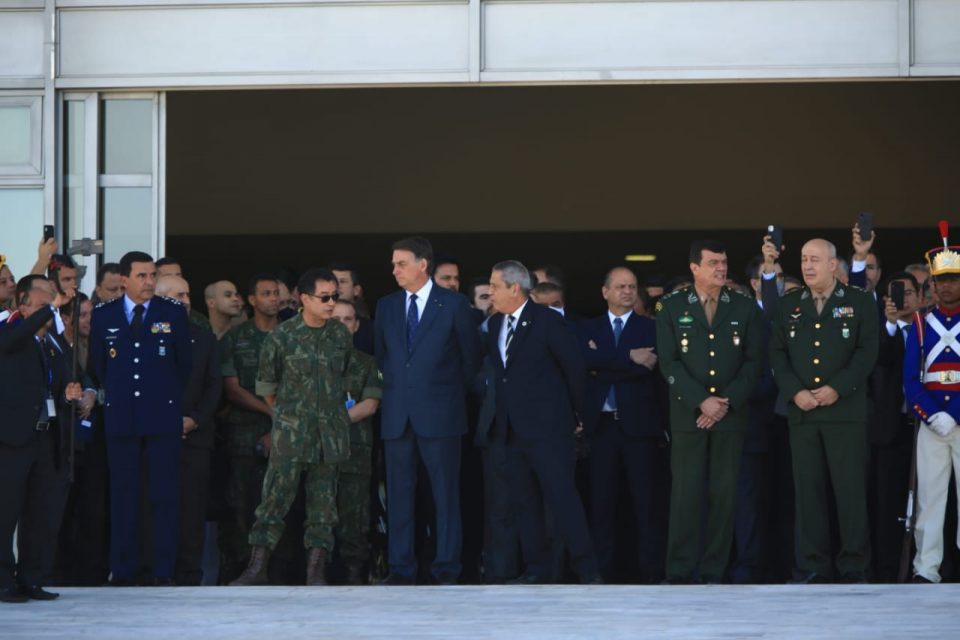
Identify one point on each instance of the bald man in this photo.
(200, 398)
(224, 306)
(824, 344)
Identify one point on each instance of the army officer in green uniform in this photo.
(303, 363)
(708, 339)
(824, 345)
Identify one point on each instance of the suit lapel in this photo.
(695, 307)
(430, 311)
(724, 304)
(520, 332)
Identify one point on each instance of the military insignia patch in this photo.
(113, 353)
(160, 327)
(659, 307)
(685, 319)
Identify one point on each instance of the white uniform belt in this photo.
(943, 377)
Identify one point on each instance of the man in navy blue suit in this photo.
(539, 375)
(428, 350)
(623, 420)
(140, 352)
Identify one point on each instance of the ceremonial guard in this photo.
(140, 352)
(823, 347)
(708, 340)
(931, 379)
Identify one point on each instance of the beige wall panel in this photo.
(225, 43)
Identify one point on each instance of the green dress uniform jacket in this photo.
(837, 348)
(699, 361)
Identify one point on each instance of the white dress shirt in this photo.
(128, 306)
(612, 316)
(502, 340)
(422, 295)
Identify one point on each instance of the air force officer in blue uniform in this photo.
(427, 347)
(140, 353)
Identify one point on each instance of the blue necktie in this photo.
(413, 321)
(617, 330)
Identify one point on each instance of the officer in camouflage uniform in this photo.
(709, 345)
(303, 363)
(247, 424)
(823, 346)
(364, 386)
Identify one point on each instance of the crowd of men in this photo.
(700, 431)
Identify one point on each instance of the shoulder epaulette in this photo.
(103, 304)
(673, 293)
(170, 300)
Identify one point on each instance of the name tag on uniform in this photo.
(51, 408)
(162, 351)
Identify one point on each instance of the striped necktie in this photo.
(510, 332)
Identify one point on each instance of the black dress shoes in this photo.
(444, 579)
(921, 580)
(527, 578)
(811, 578)
(13, 594)
(397, 580)
(36, 592)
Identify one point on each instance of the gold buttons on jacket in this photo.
(816, 326)
(817, 380)
(712, 372)
(712, 354)
(710, 336)
(713, 389)
(816, 361)
(817, 343)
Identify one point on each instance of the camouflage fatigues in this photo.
(363, 382)
(240, 358)
(198, 319)
(304, 368)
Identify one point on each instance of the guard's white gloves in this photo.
(941, 423)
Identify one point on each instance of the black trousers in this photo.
(82, 555)
(501, 538)
(887, 487)
(615, 457)
(194, 482)
(33, 492)
(542, 472)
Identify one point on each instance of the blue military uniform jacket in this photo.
(936, 386)
(142, 378)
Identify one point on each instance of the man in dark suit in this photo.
(890, 429)
(621, 418)
(33, 393)
(140, 352)
(539, 374)
(200, 400)
(428, 350)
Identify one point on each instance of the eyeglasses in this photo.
(326, 297)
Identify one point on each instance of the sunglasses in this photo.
(326, 297)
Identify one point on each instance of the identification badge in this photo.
(845, 332)
(163, 351)
(51, 408)
(86, 424)
(793, 334)
(736, 340)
